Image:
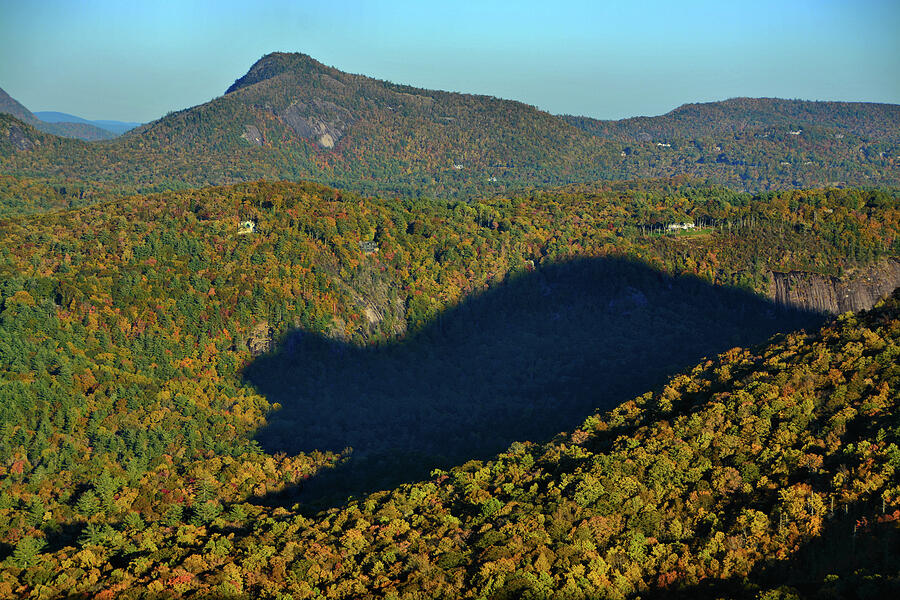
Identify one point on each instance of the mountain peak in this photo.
(274, 64)
(11, 106)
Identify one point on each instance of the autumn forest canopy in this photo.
(332, 337)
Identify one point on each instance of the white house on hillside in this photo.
(679, 226)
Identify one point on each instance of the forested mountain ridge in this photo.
(767, 141)
(144, 344)
(292, 118)
(365, 134)
(83, 131)
(870, 120)
(22, 193)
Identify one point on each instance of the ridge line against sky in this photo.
(136, 61)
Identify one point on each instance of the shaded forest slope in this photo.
(521, 361)
(747, 476)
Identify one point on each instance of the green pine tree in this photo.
(27, 550)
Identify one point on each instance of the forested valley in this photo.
(328, 336)
(279, 388)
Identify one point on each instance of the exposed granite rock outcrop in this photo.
(858, 290)
(19, 139)
(260, 339)
(252, 135)
(322, 121)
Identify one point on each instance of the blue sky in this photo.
(129, 60)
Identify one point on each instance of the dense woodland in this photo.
(738, 115)
(177, 398)
(292, 118)
(471, 351)
(751, 475)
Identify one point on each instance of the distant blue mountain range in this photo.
(117, 127)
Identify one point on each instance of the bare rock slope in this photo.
(855, 291)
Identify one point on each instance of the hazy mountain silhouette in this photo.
(83, 130)
(529, 358)
(111, 125)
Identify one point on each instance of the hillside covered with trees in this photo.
(178, 392)
(749, 476)
(869, 120)
(293, 118)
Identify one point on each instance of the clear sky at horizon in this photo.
(136, 61)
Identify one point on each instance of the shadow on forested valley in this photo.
(524, 360)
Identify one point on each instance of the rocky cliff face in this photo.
(19, 140)
(323, 121)
(855, 291)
